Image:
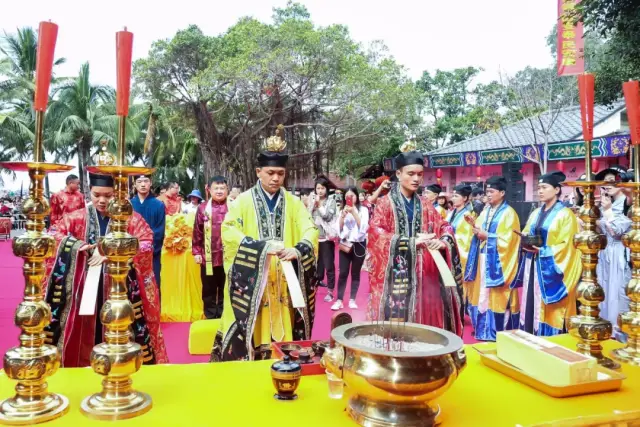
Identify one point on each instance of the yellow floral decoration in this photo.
(178, 234)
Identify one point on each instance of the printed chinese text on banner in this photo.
(570, 41)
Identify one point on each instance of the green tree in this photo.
(81, 116)
(446, 103)
(234, 89)
(532, 101)
(617, 24)
(17, 87)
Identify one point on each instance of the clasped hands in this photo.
(429, 241)
(284, 254)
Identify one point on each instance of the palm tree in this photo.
(17, 87)
(82, 116)
(166, 145)
(155, 124)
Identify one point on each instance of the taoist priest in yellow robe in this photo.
(268, 236)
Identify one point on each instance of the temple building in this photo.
(514, 150)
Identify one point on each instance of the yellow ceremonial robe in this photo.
(182, 286)
(464, 234)
(491, 268)
(264, 313)
(549, 278)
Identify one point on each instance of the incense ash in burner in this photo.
(378, 341)
(394, 370)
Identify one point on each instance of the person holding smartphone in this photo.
(353, 225)
(383, 188)
(613, 270)
(324, 212)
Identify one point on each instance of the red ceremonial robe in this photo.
(405, 281)
(64, 202)
(74, 335)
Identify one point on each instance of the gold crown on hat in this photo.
(408, 146)
(104, 157)
(276, 143)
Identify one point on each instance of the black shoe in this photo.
(322, 285)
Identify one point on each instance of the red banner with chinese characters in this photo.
(570, 41)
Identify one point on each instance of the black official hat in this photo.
(100, 180)
(408, 156)
(554, 179)
(408, 159)
(497, 183)
(615, 170)
(270, 158)
(463, 189)
(434, 188)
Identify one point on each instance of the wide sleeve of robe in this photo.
(464, 234)
(503, 247)
(143, 264)
(509, 244)
(382, 236)
(560, 265)
(232, 229)
(308, 232)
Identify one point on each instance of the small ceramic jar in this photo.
(285, 375)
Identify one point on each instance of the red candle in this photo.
(561, 166)
(595, 164)
(47, 34)
(124, 46)
(439, 173)
(586, 90)
(478, 171)
(632, 98)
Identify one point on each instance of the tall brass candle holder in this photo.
(588, 327)
(118, 357)
(629, 322)
(33, 361)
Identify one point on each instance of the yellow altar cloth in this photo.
(241, 394)
(181, 284)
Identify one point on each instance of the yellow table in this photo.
(241, 394)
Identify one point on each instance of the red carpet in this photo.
(10, 295)
(176, 334)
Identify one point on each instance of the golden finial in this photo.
(408, 146)
(105, 158)
(276, 143)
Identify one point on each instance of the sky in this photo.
(497, 35)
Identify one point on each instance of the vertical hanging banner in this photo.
(570, 41)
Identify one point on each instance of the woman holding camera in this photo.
(550, 267)
(353, 226)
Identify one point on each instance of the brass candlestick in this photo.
(629, 322)
(588, 327)
(118, 357)
(33, 361)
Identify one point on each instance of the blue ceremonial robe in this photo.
(153, 212)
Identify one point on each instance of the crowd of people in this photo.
(258, 256)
